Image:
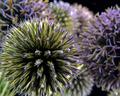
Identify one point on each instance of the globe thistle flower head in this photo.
(61, 12)
(100, 46)
(38, 57)
(81, 83)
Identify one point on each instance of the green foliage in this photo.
(38, 57)
(5, 89)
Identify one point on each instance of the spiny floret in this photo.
(100, 48)
(38, 57)
(81, 83)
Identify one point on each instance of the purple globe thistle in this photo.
(100, 48)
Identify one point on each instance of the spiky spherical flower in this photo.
(81, 83)
(115, 92)
(38, 57)
(61, 12)
(100, 48)
(5, 89)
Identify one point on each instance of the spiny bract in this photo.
(81, 83)
(100, 48)
(38, 57)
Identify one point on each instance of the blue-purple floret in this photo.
(34, 9)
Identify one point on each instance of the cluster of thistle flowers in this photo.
(38, 56)
(71, 17)
(51, 49)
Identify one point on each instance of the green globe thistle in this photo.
(38, 57)
(115, 92)
(61, 13)
(5, 89)
(81, 83)
(100, 48)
